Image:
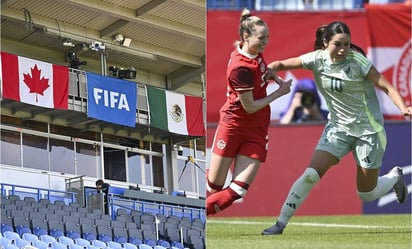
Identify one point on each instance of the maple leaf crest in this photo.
(36, 84)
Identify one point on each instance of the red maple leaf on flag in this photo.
(36, 84)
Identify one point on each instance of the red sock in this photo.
(223, 199)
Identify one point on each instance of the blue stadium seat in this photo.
(104, 233)
(12, 236)
(120, 235)
(20, 243)
(98, 243)
(65, 240)
(82, 242)
(75, 246)
(58, 245)
(88, 231)
(11, 246)
(41, 244)
(38, 226)
(5, 241)
(72, 230)
(163, 243)
(159, 247)
(129, 246)
(135, 236)
(143, 246)
(21, 225)
(114, 245)
(30, 237)
(56, 229)
(47, 239)
(177, 245)
(6, 223)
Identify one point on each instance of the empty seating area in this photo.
(57, 225)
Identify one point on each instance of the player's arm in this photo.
(242, 81)
(380, 81)
(291, 63)
(252, 105)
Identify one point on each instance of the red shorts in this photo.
(250, 142)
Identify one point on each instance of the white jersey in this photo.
(350, 97)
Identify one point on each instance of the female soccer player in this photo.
(242, 133)
(347, 80)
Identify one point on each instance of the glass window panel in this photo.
(10, 148)
(62, 156)
(147, 172)
(186, 173)
(114, 164)
(134, 162)
(35, 154)
(202, 178)
(87, 159)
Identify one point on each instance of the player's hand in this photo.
(284, 86)
(408, 111)
(270, 74)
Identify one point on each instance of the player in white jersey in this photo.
(347, 81)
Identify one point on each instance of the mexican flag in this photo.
(174, 112)
(34, 82)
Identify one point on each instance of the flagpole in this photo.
(148, 109)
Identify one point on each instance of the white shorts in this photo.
(368, 150)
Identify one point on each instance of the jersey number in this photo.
(336, 85)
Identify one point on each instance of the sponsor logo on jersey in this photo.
(221, 144)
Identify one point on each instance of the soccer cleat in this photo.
(275, 229)
(400, 188)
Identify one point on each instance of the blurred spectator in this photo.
(103, 187)
(308, 4)
(304, 104)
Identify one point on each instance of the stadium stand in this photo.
(52, 225)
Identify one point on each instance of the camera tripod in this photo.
(192, 160)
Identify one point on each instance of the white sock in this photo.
(384, 185)
(297, 194)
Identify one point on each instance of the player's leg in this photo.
(368, 153)
(217, 172)
(224, 149)
(245, 171)
(321, 162)
(332, 146)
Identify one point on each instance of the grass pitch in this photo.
(317, 232)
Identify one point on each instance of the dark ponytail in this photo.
(320, 37)
(325, 32)
(357, 49)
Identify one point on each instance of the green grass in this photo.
(317, 232)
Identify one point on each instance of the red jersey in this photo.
(245, 73)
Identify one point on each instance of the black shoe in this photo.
(274, 230)
(400, 188)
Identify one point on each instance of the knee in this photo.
(368, 196)
(311, 176)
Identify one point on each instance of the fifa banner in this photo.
(34, 82)
(112, 100)
(390, 50)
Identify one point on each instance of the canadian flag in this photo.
(34, 82)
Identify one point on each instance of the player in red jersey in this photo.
(242, 133)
